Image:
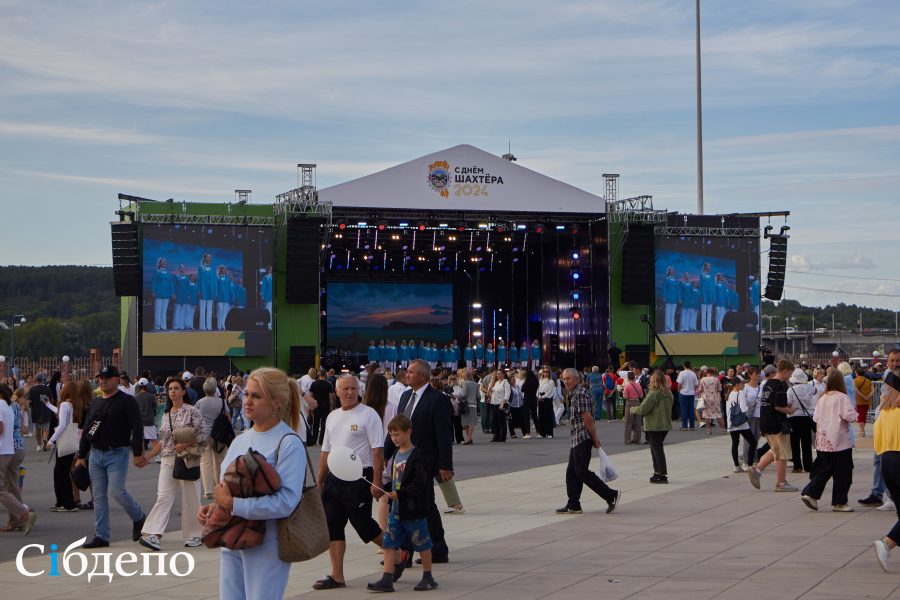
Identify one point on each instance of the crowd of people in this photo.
(402, 425)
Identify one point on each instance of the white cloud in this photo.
(77, 134)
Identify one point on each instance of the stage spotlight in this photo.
(382, 226)
(476, 305)
(476, 334)
(421, 226)
(576, 254)
(539, 228)
(342, 225)
(576, 313)
(476, 320)
(575, 274)
(560, 227)
(575, 295)
(404, 224)
(461, 226)
(500, 228)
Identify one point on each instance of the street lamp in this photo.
(16, 320)
(3, 364)
(834, 358)
(65, 369)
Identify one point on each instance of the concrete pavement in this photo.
(708, 534)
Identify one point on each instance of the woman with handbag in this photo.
(710, 392)
(65, 440)
(468, 404)
(183, 430)
(500, 393)
(802, 425)
(632, 392)
(656, 409)
(272, 402)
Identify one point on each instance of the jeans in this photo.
(237, 417)
(578, 475)
(749, 457)
(498, 423)
(877, 479)
(597, 394)
(108, 469)
(686, 405)
(657, 453)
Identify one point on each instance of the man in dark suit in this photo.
(432, 435)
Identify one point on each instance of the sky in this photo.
(192, 100)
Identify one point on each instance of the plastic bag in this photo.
(607, 471)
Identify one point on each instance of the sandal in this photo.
(10, 527)
(328, 583)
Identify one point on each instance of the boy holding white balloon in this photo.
(409, 507)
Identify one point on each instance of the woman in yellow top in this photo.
(887, 445)
(863, 398)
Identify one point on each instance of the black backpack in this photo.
(222, 431)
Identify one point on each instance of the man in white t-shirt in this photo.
(397, 388)
(358, 427)
(687, 390)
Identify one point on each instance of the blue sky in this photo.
(194, 100)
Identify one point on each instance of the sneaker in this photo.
(54, 508)
(810, 502)
(841, 508)
(659, 479)
(136, 528)
(881, 553)
(889, 506)
(738, 469)
(64, 509)
(527, 436)
(872, 500)
(426, 583)
(615, 502)
(455, 511)
(786, 487)
(150, 541)
(97, 542)
(566, 510)
(193, 542)
(755, 475)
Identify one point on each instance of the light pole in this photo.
(65, 369)
(834, 358)
(16, 320)
(769, 317)
(3, 365)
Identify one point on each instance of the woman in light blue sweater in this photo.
(272, 402)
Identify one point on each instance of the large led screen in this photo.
(207, 290)
(361, 311)
(707, 294)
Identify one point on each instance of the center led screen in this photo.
(207, 290)
(361, 311)
(707, 294)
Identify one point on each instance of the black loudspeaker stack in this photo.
(638, 256)
(304, 240)
(303, 358)
(126, 259)
(777, 266)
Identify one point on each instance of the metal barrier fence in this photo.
(79, 367)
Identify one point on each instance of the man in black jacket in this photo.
(432, 435)
(112, 426)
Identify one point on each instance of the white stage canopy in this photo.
(462, 178)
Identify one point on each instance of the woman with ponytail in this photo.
(272, 403)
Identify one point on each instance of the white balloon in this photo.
(344, 464)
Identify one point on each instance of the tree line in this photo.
(846, 316)
(68, 309)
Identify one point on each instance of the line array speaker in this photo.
(303, 243)
(303, 358)
(777, 266)
(638, 255)
(126, 259)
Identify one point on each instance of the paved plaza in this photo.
(708, 534)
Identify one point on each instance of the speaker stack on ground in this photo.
(777, 266)
(126, 259)
(302, 359)
(304, 240)
(638, 256)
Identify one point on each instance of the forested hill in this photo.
(68, 310)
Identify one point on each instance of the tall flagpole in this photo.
(699, 125)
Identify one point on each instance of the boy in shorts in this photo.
(409, 506)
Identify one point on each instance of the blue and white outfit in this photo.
(258, 573)
(513, 356)
(373, 354)
(193, 302)
(182, 303)
(754, 300)
(265, 293)
(501, 354)
(162, 293)
(240, 296)
(722, 302)
(393, 356)
(707, 299)
(535, 355)
(206, 287)
(523, 356)
(489, 356)
(404, 355)
(670, 300)
(684, 295)
(695, 307)
(469, 356)
(223, 300)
